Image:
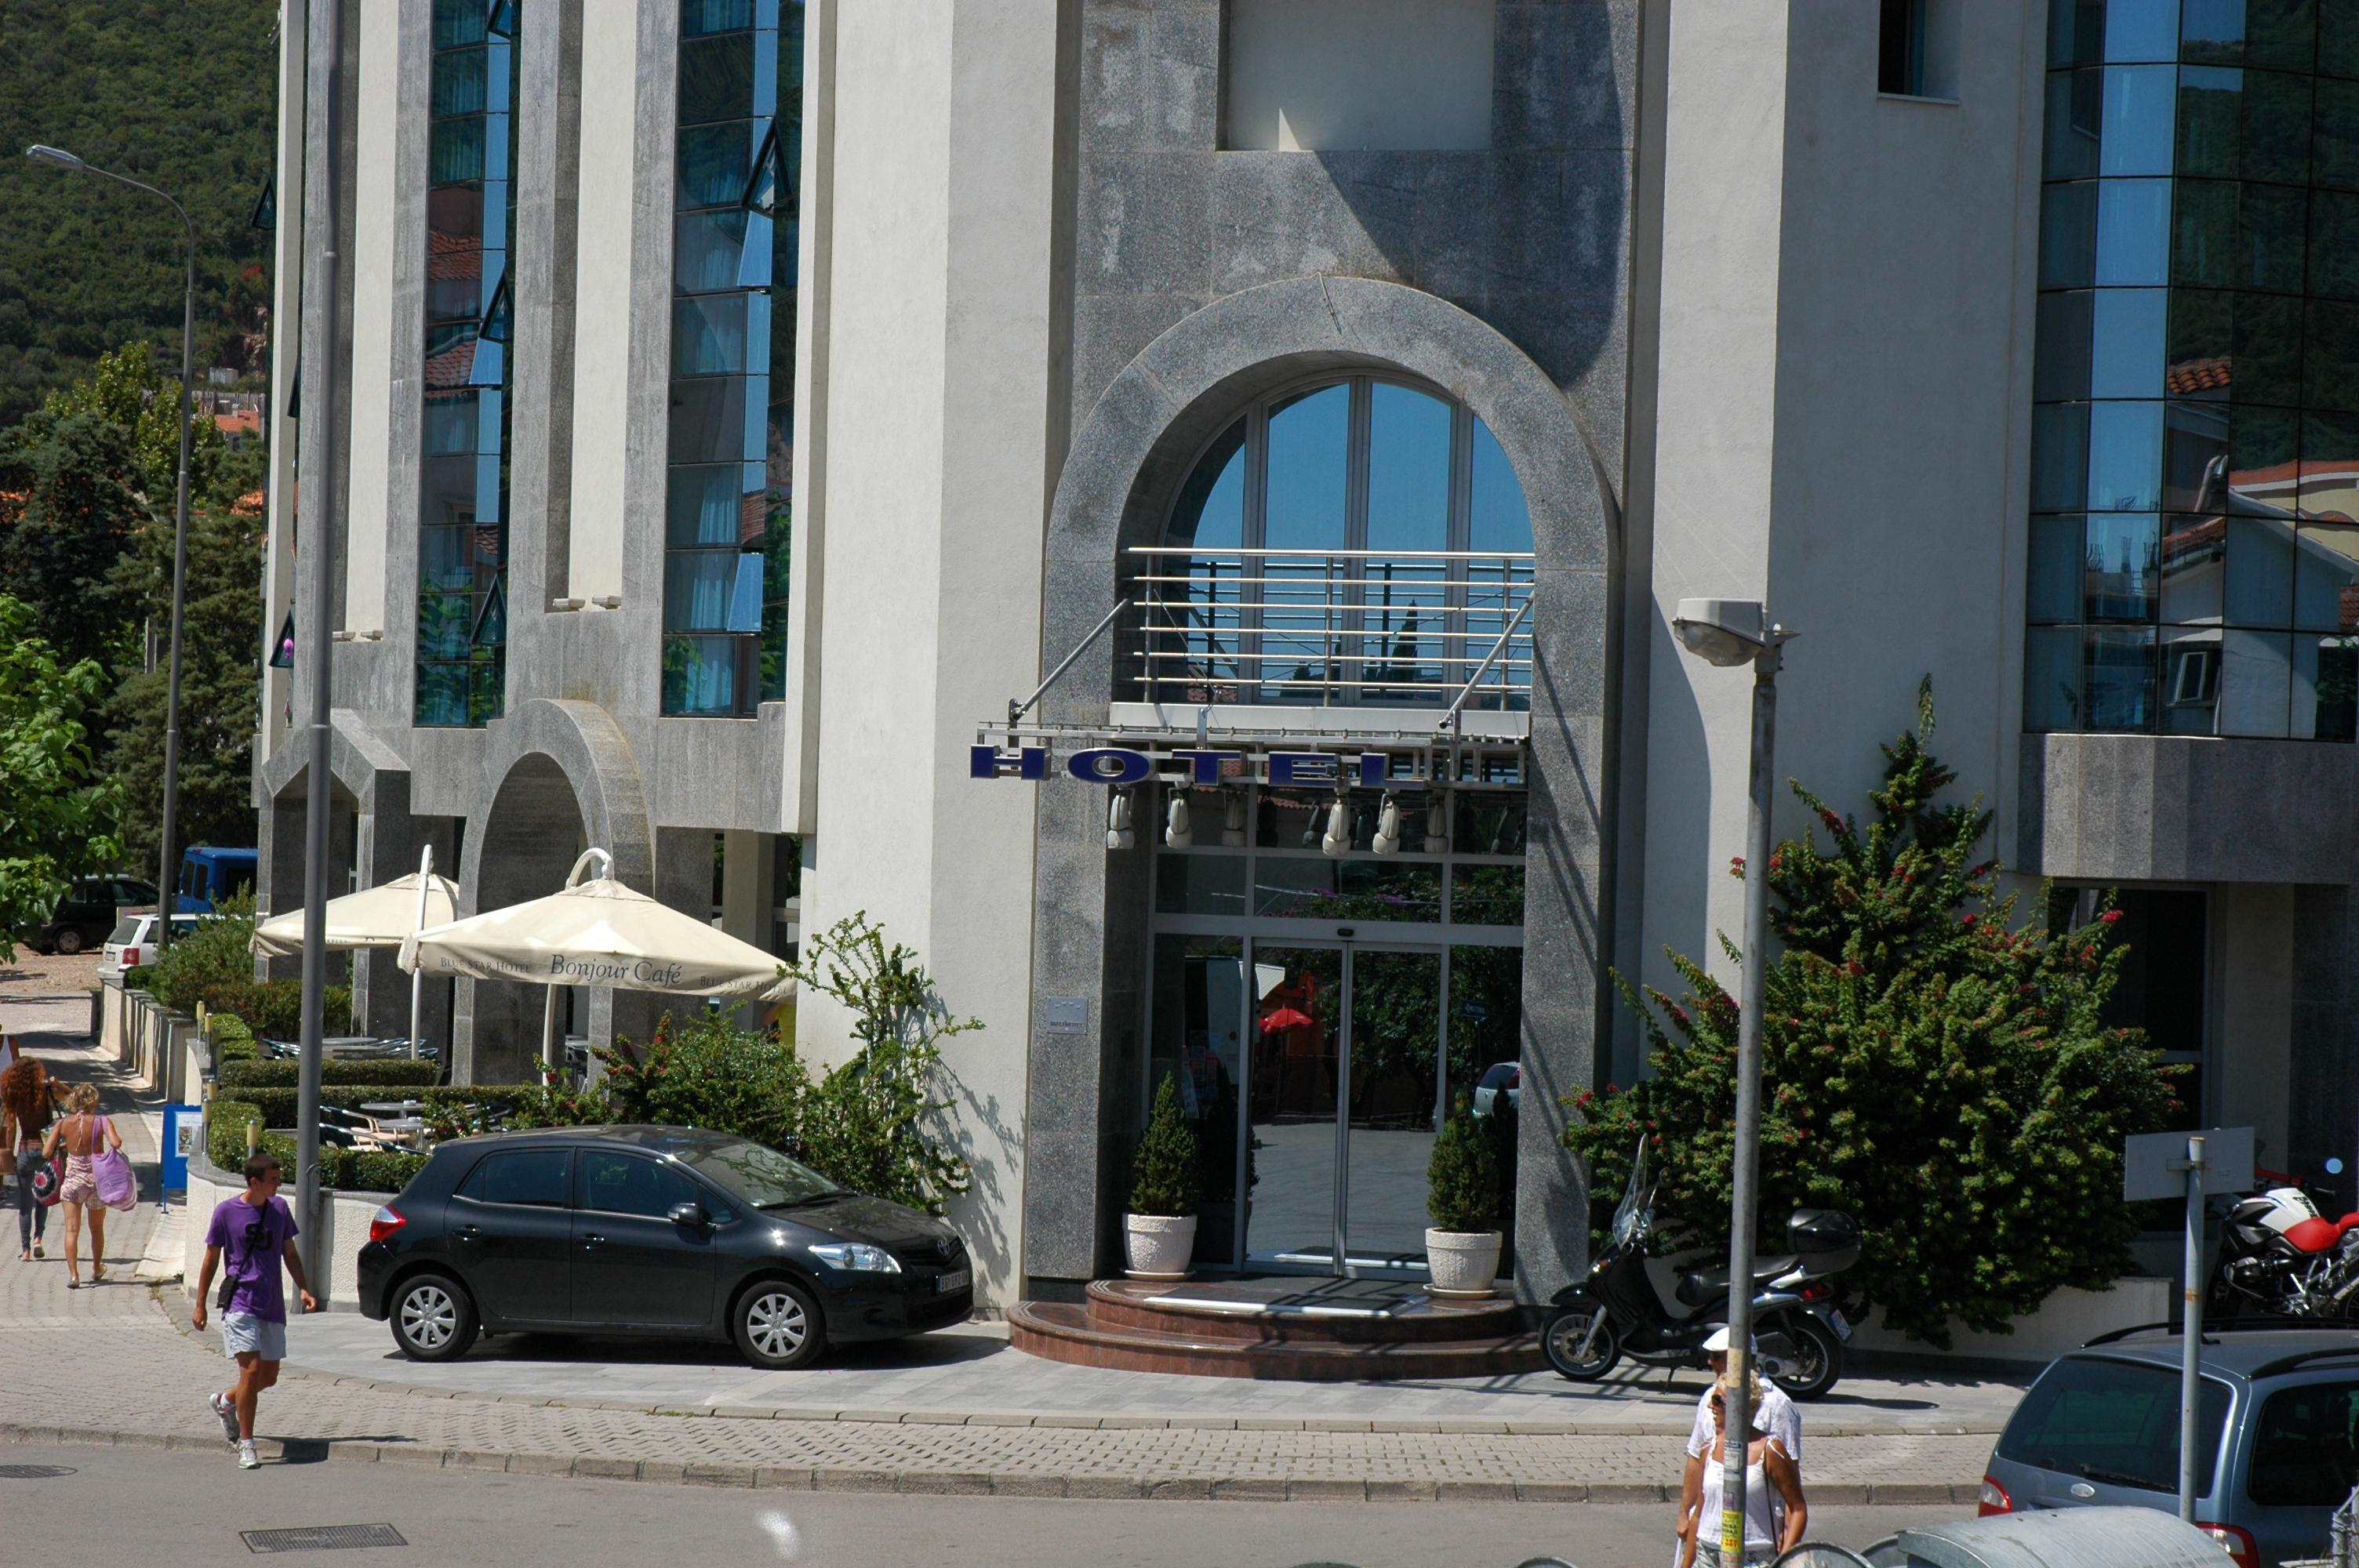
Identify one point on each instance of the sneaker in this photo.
(227, 1411)
(247, 1459)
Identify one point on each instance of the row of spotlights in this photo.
(1179, 827)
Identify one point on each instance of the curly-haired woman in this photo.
(27, 1101)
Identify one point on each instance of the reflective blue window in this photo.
(728, 527)
(462, 491)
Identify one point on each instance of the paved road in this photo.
(187, 1508)
(120, 1361)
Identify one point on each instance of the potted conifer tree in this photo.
(1159, 1232)
(1462, 1248)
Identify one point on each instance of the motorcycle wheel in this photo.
(1818, 1359)
(1568, 1328)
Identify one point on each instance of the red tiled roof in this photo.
(2188, 377)
(454, 255)
(451, 367)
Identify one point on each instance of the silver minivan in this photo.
(2278, 1424)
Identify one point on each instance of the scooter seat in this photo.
(1704, 1284)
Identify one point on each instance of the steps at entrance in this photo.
(1304, 1330)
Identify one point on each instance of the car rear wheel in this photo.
(777, 1326)
(433, 1318)
(69, 941)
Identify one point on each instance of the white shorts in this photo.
(242, 1331)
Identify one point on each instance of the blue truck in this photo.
(211, 876)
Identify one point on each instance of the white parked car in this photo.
(133, 942)
(1501, 1081)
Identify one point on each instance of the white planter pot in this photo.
(1159, 1247)
(1463, 1263)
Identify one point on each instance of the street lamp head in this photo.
(1723, 630)
(56, 156)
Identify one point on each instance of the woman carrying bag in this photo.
(89, 1140)
(28, 1096)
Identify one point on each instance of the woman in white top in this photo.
(1774, 1513)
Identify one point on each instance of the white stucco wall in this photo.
(374, 370)
(285, 345)
(1845, 364)
(1358, 75)
(934, 521)
(602, 343)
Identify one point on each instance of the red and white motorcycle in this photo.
(2279, 1255)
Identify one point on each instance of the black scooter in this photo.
(1660, 1310)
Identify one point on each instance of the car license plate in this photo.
(1841, 1325)
(956, 1280)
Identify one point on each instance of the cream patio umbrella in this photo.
(597, 933)
(383, 916)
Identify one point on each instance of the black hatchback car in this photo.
(651, 1230)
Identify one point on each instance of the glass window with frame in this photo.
(2164, 984)
(2195, 452)
(1355, 539)
(728, 514)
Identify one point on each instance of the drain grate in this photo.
(321, 1538)
(34, 1472)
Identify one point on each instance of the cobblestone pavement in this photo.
(117, 1364)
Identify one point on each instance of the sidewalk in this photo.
(119, 1365)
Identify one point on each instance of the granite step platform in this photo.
(1313, 1330)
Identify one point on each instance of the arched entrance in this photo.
(1095, 914)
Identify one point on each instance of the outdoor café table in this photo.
(395, 1107)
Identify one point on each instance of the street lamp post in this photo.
(166, 882)
(1729, 631)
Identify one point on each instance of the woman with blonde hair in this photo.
(82, 1135)
(1774, 1513)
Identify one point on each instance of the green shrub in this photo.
(233, 1042)
(374, 1170)
(280, 1073)
(225, 1122)
(278, 1105)
(1941, 1074)
(1462, 1175)
(135, 978)
(1163, 1177)
(209, 959)
(709, 1073)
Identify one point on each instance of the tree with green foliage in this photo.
(1462, 1175)
(872, 1123)
(1163, 1174)
(183, 97)
(1938, 1072)
(220, 683)
(131, 387)
(69, 508)
(59, 813)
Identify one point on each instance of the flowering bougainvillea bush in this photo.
(1929, 1066)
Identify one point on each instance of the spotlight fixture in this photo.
(1232, 820)
(1118, 831)
(1338, 837)
(1389, 827)
(1178, 832)
(1437, 827)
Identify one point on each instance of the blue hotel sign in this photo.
(1122, 765)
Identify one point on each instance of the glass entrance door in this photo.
(1346, 1082)
(1299, 1051)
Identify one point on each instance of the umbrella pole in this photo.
(549, 1032)
(417, 976)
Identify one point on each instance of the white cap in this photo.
(1718, 1343)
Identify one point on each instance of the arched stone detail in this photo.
(1127, 461)
(559, 776)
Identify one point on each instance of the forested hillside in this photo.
(180, 93)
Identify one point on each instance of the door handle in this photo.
(590, 1241)
(470, 1231)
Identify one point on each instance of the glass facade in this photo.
(2194, 536)
(462, 491)
(727, 521)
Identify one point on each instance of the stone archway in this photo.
(1127, 461)
(560, 777)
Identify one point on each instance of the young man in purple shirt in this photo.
(256, 1231)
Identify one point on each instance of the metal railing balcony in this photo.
(1329, 628)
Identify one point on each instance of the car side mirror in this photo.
(688, 1214)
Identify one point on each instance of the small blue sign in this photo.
(184, 1130)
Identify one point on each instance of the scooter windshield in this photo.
(1637, 1198)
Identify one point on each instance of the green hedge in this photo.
(281, 1074)
(278, 1105)
(233, 1041)
(344, 1170)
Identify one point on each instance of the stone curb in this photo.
(962, 1483)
